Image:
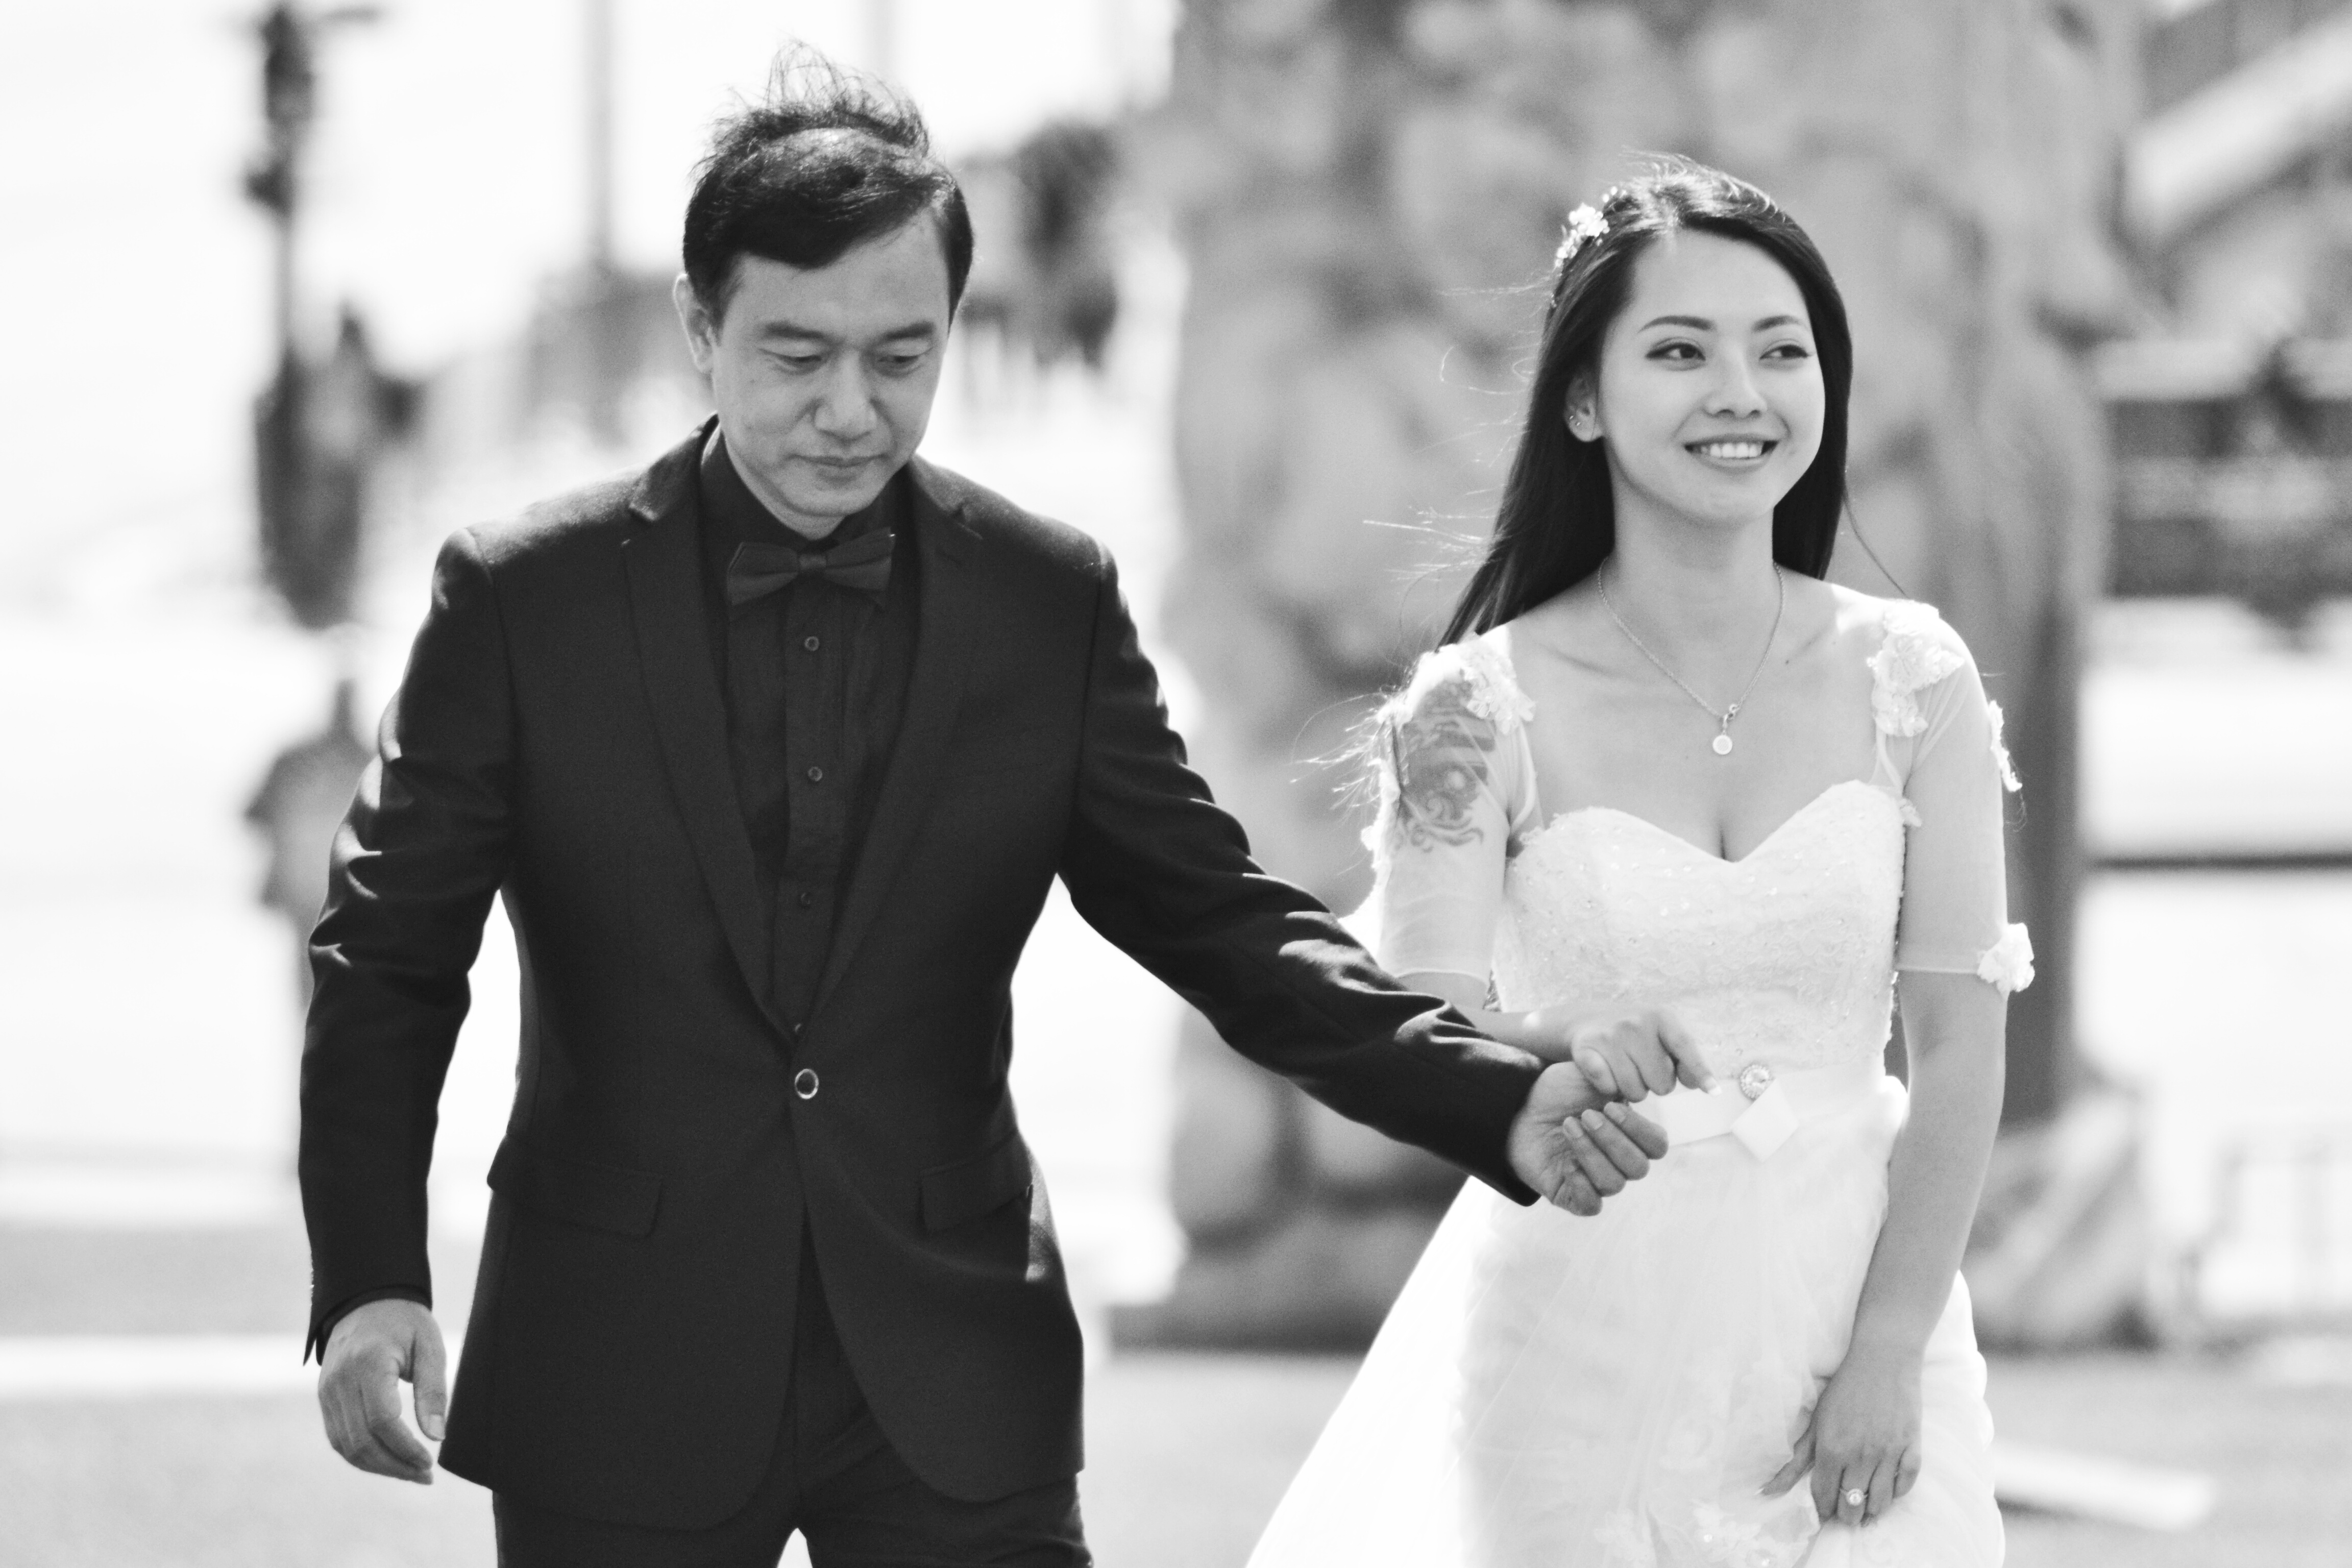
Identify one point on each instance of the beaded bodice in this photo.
(1785, 956)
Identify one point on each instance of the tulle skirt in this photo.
(1552, 1392)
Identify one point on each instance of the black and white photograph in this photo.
(1176, 783)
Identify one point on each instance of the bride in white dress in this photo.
(1689, 810)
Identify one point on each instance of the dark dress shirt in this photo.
(815, 680)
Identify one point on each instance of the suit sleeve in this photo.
(415, 866)
(1155, 866)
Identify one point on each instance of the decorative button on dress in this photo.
(1553, 1391)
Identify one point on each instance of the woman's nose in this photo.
(1735, 391)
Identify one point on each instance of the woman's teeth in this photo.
(1729, 451)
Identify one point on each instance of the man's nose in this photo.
(845, 405)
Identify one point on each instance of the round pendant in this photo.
(1722, 744)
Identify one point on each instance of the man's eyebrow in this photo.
(794, 330)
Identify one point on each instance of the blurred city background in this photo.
(290, 293)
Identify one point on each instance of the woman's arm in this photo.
(1864, 1431)
(1954, 1027)
(1957, 958)
(1625, 1051)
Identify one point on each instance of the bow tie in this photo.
(757, 569)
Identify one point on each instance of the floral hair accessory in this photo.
(1584, 224)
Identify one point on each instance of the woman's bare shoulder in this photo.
(1564, 631)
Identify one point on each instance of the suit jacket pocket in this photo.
(602, 1197)
(953, 1194)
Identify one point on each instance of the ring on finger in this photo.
(1854, 1497)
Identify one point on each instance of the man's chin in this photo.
(828, 499)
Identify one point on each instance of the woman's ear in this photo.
(1582, 413)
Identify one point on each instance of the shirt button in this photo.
(806, 899)
(810, 643)
(804, 1084)
(817, 776)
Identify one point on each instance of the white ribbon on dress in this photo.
(1768, 1118)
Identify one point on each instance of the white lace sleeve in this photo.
(1457, 788)
(1940, 747)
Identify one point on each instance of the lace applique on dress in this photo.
(1918, 652)
(1494, 692)
(2001, 751)
(2007, 964)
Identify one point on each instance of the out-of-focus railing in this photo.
(2280, 1196)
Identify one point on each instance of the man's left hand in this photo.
(1576, 1149)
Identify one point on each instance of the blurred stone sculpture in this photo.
(1367, 189)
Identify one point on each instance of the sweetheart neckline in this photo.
(1754, 850)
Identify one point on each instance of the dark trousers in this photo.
(835, 1479)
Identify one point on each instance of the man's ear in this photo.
(701, 332)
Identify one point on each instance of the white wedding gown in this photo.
(1552, 1392)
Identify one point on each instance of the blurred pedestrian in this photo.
(296, 810)
(774, 751)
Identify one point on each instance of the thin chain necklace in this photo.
(1722, 742)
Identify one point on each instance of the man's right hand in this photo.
(375, 1348)
(1575, 1150)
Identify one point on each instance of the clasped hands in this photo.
(1577, 1141)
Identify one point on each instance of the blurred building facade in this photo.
(2232, 404)
(1368, 192)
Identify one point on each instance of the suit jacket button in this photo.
(804, 1084)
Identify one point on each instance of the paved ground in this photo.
(1189, 1454)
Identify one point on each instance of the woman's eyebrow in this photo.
(1700, 323)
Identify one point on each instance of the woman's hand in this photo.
(1633, 1053)
(1862, 1443)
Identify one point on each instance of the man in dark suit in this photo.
(774, 751)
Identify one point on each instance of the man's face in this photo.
(823, 376)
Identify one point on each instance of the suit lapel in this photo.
(666, 598)
(944, 630)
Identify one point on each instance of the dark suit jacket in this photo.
(559, 737)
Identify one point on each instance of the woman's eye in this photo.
(800, 363)
(1675, 350)
(1789, 352)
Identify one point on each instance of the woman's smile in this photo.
(1739, 454)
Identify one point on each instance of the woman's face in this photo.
(1709, 391)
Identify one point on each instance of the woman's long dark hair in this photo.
(1557, 520)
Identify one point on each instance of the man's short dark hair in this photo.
(829, 160)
